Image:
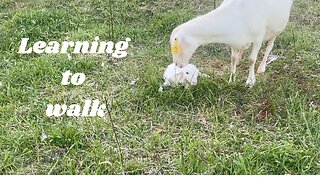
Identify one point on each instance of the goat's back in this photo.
(269, 15)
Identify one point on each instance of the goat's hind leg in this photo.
(263, 64)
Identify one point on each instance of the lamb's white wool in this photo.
(238, 23)
(190, 74)
(174, 75)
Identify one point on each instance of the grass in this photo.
(213, 128)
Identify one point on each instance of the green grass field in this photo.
(213, 128)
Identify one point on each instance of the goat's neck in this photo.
(209, 28)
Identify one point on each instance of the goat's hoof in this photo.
(261, 69)
(250, 82)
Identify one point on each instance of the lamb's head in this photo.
(174, 75)
(182, 47)
(190, 74)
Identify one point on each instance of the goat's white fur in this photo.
(238, 23)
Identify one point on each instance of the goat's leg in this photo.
(253, 58)
(234, 61)
(263, 64)
(240, 54)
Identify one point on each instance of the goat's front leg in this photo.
(253, 58)
(235, 59)
(263, 64)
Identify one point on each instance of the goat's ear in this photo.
(176, 48)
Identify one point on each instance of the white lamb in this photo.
(238, 23)
(173, 75)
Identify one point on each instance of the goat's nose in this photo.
(179, 65)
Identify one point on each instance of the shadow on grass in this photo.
(209, 92)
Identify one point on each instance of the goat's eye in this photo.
(187, 72)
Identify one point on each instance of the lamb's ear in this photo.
(194, 79)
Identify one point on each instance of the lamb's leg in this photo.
(234, 62)
(263, 64)
(253, 58)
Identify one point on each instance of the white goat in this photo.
(238, 23)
